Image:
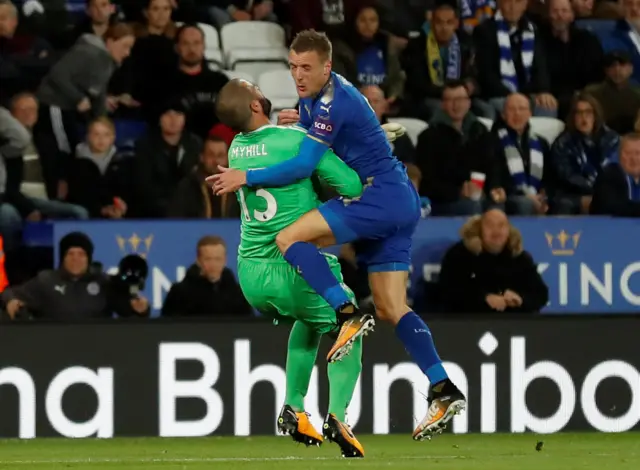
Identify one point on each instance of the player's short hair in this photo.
(210, 240)
(311, 40)
(233, 105)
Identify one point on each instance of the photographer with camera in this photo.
(77, 290)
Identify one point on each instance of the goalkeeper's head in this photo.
(242, 106)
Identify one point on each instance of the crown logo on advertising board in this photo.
(135, 244)
(563, 243)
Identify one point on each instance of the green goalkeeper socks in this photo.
(343, 376)
(301, 357)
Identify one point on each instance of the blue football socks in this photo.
(314, 268)
(416, 338)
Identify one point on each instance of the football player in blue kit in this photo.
(380, 222)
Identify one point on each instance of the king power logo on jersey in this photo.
(231, 389)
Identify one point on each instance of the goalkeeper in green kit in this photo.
(272, 285)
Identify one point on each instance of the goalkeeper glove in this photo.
(393, 130)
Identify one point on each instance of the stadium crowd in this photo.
(108, 106)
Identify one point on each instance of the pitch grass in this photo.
(447, 452)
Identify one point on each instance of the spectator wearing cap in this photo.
(193, 198)
(574, 55)
(163, 158)
(510, 58)
(194, 84)
(626, 36)
(76, 291)
(619, 98)
(489, 270)
(579, 154)
(441, 53)
(617, 188)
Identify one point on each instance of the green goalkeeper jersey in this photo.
(266, 211)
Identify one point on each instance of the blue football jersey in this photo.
(342, 118)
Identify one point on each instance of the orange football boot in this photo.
(354, 327)
(340, 433)
(298, 426)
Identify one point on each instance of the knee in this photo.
(390, 310)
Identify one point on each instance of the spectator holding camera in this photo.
(489, 270)
(209, 287)
(99, 175)
(74, 291)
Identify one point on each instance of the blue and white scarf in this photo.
(507, 66)
(634, 189)
(527, 182)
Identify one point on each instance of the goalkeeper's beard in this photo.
(266, 106)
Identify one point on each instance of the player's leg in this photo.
(301, 357)
(389, 296)
(343, 377)
(272, 289)
(299, 243)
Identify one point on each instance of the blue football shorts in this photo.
(381, 222)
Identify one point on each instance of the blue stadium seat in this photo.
(602, 29)
(127, 132)
(597, 27)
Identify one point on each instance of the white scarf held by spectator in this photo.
(507, 66)
(526, 183)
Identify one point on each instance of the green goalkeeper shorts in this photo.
(275, 289)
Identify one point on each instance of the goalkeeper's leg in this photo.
(301, 357)
(343, 377)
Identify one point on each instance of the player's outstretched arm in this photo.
(296, 168)
(337, 174)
